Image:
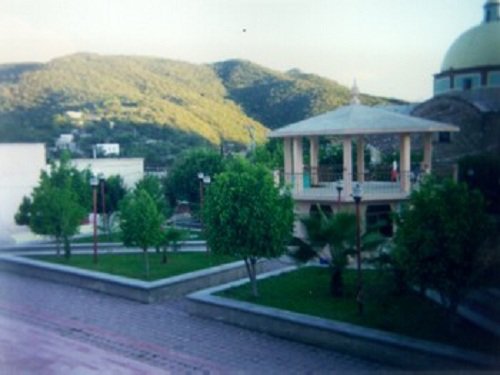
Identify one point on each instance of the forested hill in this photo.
(144, 95)
(276, 99)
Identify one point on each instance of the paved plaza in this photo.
(47, 328)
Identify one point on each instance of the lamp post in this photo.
(357, 194)
(102, 182)
(94, 182)
(339, 186)
(204, 180)
(201, 176)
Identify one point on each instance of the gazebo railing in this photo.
(324, 184)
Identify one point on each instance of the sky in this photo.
(390, 47)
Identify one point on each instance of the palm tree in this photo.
(337, 234)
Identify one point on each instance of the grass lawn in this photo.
(112, 237)
(190, 235)
(307, 291)
(132, 264)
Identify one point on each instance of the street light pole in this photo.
(339, 188)
(102, 182)
(201, 176)
(357, 195)
(94, 182)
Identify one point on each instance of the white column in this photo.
(427, 162)
(314, 155)
(404, 162)
(287, 153)
(298, 164)
(360, 159)
(347, 165)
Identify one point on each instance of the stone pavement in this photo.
(131, 338)
(28, 349)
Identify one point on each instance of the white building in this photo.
(66, 142)
(20, 167)
(107, 149)
(130, 169)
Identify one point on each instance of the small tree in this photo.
(440, 238)
(23, 214)
(247, 216)
(57, 209)
(155, 189)
(114, 192)
(140, 223)
(171, 236)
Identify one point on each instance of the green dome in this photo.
(479, 46)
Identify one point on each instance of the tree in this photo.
(246, 215)
(153, 186)
(171, 236)
(482, 172)
(23, 214)
(140, 222)
(440, 240)
(337, 233)
(182, 182)
(57, 209)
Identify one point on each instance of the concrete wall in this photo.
(20, 167)
(131, 169)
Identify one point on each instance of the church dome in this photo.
(479, 46)
(472, 64)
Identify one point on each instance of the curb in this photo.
(393, 349)
(137, 290)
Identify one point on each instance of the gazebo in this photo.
(353, 123)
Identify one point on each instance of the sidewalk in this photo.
(26, 349)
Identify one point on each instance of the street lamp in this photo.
(204, 180)
(339, 186)
(102, 182)
(94, 182)
(201, 177)
(357, 194)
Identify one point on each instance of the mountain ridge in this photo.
(214, 102)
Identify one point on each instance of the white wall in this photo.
(20, 167)
(131, 169)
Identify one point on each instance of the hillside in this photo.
(156, 106)
(276, 99)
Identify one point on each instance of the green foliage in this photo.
(134, 90)
(338, 234)
(246, 215)
(269, 154)
(440, 238)
(59, 204)
(482, 172)
(153, 186)
(276, 99)
(171, 236)
(305, 291)
(140, 222)
(23, 214)
(131, 264)
(182, 182)
(114, 192)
